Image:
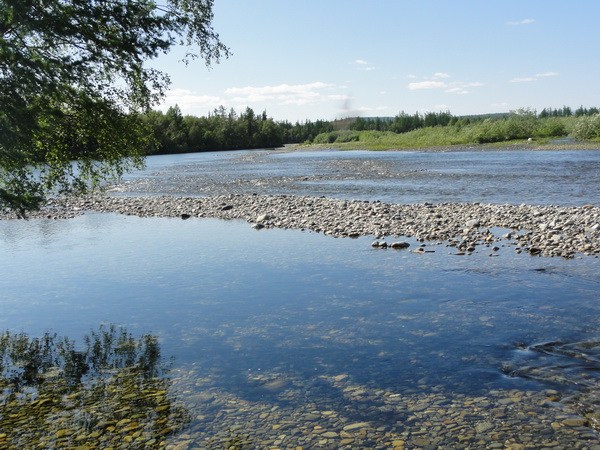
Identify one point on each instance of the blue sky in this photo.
(325, 59)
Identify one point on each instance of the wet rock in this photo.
(575, 422)
(356, 426)
(483, 427)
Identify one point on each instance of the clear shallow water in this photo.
(293, 322)
(233, 300)
(533, 177)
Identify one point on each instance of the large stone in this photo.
(356, 426)
(482, 427)
(575, 422)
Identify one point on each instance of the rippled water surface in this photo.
(533, 177)
(270, 316)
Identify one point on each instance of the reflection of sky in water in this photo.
(236, 300)
(534, 177)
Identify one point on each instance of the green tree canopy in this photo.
(73, 82)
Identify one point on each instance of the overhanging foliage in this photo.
(73, 83)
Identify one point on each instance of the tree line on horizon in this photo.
(174, 132)
(75, 115)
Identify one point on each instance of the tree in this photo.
(73, 85)
(177, 130)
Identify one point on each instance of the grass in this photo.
(512, 132)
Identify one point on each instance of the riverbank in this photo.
(463, 227)
(535, 145)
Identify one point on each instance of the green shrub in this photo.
(488, 131)
(337, 137)
(587, 127)
(325, 138)
(521, 124)
(551, 127)
(347, 136)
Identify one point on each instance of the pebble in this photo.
(575, 422)
(537, 230)
(356, 426)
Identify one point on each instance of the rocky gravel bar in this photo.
(465, 227)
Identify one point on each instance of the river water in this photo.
(514, 177)
(265, 316)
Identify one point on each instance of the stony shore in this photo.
(464, 227)
(361, 418)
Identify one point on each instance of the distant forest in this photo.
(228, 130)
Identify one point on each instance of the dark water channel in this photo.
(251, 313)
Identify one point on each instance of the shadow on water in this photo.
(113, 391)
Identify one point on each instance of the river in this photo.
(278, 332)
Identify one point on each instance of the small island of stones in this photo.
(464, 227)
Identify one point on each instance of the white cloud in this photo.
(520, 22)
(338, 97)
(371, 109)
(419, 85)
(298, 94)
(457, 90)
(500, 105)
(452, 87)
(189, 100)
(529, 79)
(364, 65)
(470, 84)
(523, 79)
(547, 74)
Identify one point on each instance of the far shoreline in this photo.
(474, 147)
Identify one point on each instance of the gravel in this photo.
(538, 230)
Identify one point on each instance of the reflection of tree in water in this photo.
(112, 392)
